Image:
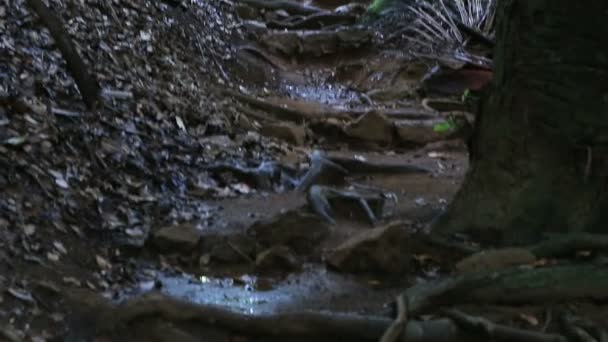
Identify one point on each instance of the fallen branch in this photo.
(87, 85)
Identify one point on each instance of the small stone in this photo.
(277, 258)
(28, 229)
(383, 249)
(372, 127)
(291, 133)
(180, 238)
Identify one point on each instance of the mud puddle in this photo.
(314, 288)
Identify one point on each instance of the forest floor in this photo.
(190, 179)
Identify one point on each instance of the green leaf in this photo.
(443, 127)
(465, 95)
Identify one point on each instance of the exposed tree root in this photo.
(348, 327)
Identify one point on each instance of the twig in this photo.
(396, 328)
(588, 164)
(548, 319)
(219, 66)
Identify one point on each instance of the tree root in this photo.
(458, 328)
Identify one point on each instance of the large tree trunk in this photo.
(539, 152)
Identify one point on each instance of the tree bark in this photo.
(538, 153)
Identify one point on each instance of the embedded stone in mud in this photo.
(373, 127)
(180, 238)
(298, 230)
(291, 133)
(382, 249)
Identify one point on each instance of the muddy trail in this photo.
(250, 159)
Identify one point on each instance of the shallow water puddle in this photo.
(312, 289)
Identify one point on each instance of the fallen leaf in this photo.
(72, 281)
(180, 123)
(102, 263)
(52, 256)
(29, 229)
(16, 141)
(21, 295)
(60, 247)
(62, 183)
(530, 319)
(134, 232)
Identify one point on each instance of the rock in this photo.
(298, 230)
(291, 133)
(180, 238)
(373, 127)
(495, 260)
(419, 131)
(277, 258)
(383, 249)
